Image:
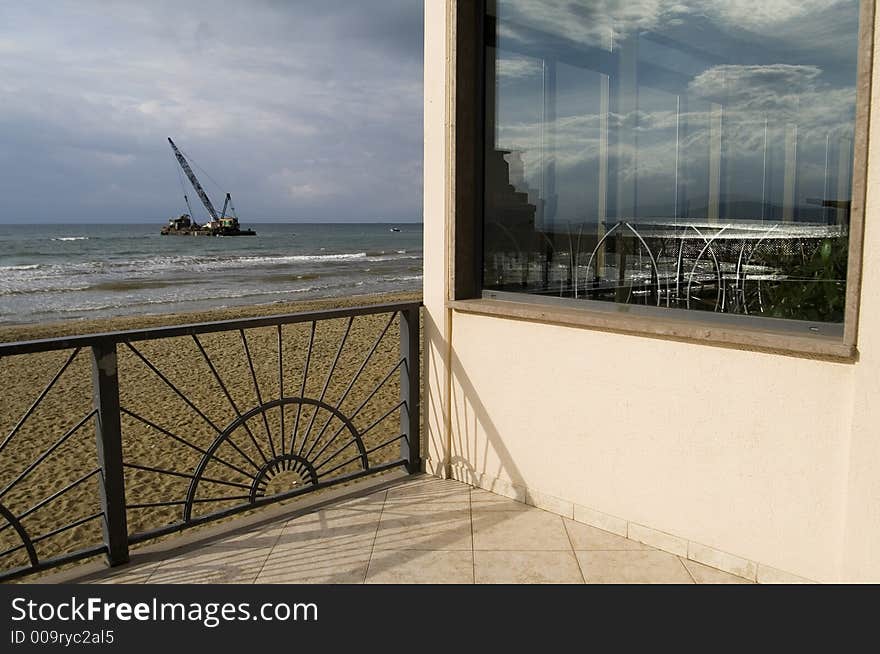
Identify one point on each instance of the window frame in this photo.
(466, 90)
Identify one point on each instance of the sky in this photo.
(304, 110)
(773, 80)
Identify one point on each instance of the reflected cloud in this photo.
(595, 22)
(509, 68)
(758, 88)
(747, 94)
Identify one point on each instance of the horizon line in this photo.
(255, 222)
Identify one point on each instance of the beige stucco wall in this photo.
(772, 458)
(436, 198)
(861, 540)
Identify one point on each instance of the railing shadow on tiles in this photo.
(142, 433)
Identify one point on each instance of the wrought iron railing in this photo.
(195, 423)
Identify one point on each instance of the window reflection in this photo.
(695, 155)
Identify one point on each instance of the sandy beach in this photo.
(163, 430)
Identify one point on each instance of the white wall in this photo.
(436, 323)
(861, 540)
(769, 457)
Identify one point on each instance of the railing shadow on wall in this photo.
(456, 412)
(138, 434)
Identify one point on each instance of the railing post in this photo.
(410, 380)
(105, 383)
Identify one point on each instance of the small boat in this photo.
(394, 229)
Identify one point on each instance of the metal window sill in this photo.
(692, 331)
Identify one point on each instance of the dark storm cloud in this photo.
(303, 110)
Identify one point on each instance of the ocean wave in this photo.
(303, 257)
(395, 257)
(389, 253)
(279, 278)
(187, 296)
(28, 274)
(31, 266)
(179, 299)
(208, 262)
(405, 278)
(40, 290)
(169, 263)
(125, 285)
(104, 275)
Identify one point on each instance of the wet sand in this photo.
(171, 430)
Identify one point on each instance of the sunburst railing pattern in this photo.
(142, 433)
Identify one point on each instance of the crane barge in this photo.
(220, 224)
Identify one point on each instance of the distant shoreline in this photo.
(72, 327)
(163, 221)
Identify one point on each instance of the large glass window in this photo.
(690, 154)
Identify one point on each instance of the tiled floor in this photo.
(424, 530)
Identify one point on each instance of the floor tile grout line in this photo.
(573, 552)
(473, 548)
(613, 549)
(375, 537)
(272, 549)
(555, 549)
(153, 571)
(686, 569)
(111, 577)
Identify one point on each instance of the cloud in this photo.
(299, 185)
(247, 91)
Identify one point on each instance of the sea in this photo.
(60, 272)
